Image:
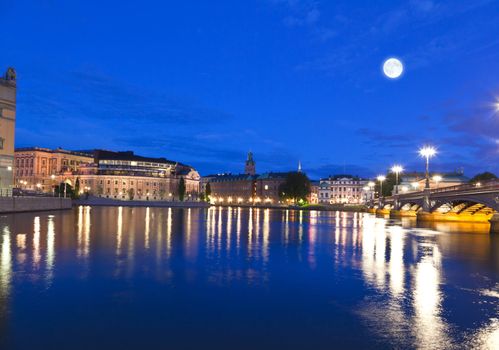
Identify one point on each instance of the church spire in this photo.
(299, 166)
(250, 167)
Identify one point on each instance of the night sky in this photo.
(203, 82)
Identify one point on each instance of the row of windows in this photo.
(326, 195)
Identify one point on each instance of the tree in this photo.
(388, 184)
(295, 187)
(64, 189)
(131, 193)
(181, 189)
(207, 192)
(76, 192)
(483, 177)
(162, 193)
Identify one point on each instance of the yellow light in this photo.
(239, 200)
(381, 178)
(370, 184)
(404, 189)
(427, 151)
(229, 199)
(415, 185)
(397, 169)
(437, 178)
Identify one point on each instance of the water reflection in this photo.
(412, 279)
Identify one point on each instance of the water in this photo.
(130, 278)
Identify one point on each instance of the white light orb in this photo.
(393, 68)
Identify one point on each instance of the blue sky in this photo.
(203, 82)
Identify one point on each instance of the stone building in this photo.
(343, 189)
(7, 130)
(116, 175)
(38, 168)
(249, 188)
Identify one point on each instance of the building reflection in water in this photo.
(401, 267)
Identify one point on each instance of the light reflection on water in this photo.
(327, 276)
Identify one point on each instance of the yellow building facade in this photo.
(7, 130)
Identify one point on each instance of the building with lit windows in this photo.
(38, 168)
(116, 175)
(249, 188)
(7, 130)
(416, 181)
(343, 189)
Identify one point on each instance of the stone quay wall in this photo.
(24, 204)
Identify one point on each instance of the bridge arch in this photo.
(470, 205)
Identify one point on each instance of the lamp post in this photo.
(427, 152)
(381, 178)
(53, 184)
(397, 169)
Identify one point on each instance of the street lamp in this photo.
(437, 179)
(397, 169)
(381, 178)
(427, 152)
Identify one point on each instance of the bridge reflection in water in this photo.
(347, 277)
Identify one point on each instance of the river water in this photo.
(232, 278)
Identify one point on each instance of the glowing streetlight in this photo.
(397, 169)
(427, 152)
(381, 178)
(437, 179)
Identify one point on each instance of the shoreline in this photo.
(178, 204)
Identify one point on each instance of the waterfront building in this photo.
(245, 188)
(415, 181)
(116, 175)
(38, 168)
(314, 192)
(343, 189)
(250, 166)
(7, 130)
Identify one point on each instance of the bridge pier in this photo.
(494, 223)
(403, 213)
(383, 211)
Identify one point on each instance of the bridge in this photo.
(465, 203)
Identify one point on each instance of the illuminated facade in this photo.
(116, 175)
(248, 188)
(38, 168)
(415, 181)
(343, 190)
(245, 188)
(7, 130)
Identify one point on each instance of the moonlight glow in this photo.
(393, 68)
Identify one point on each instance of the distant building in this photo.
(314, 192)
(245, 188)
(250, 168)
(7, 130)
(416, 181)
(117, 175)
(343, 189)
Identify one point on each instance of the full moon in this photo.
(393, 68)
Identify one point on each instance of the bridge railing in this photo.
(492, 184)
(482, 186)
